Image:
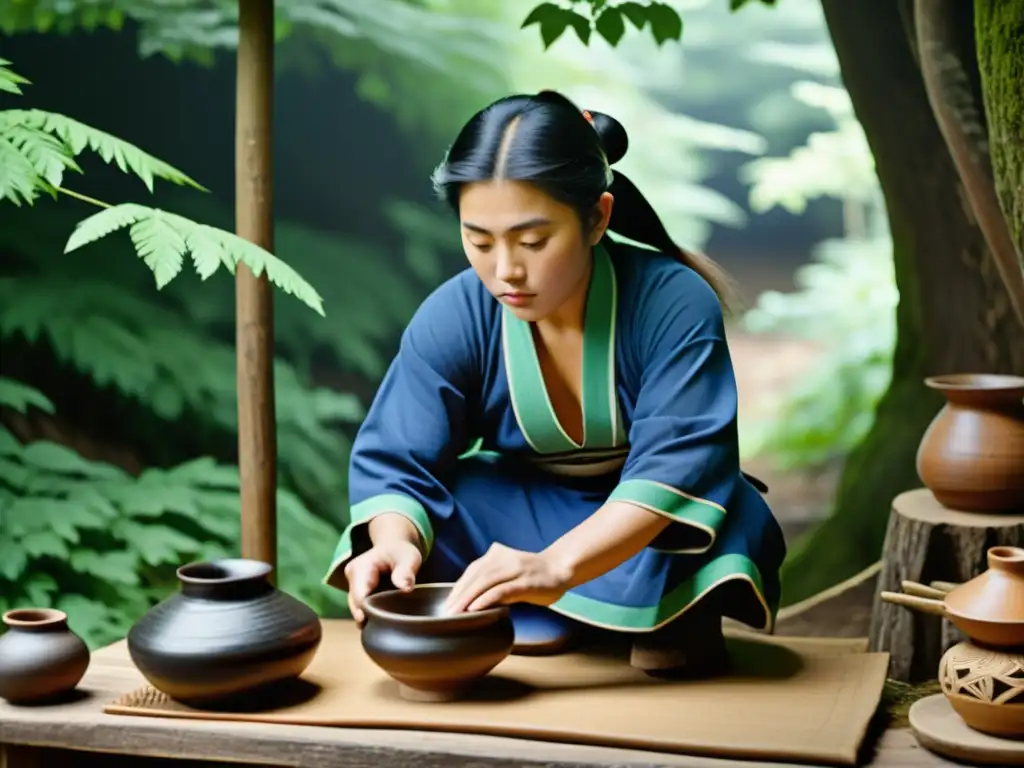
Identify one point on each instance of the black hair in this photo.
(547, 141)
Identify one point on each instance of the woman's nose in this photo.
(508, 269)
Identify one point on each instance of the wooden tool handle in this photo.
(920, 590)
(923, 604)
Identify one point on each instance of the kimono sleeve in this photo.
(684, 456)
(414, 431)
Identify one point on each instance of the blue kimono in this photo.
(659, 409)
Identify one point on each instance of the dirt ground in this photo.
(765, 368)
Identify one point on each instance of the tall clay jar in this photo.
(972, 454)
(40, 657)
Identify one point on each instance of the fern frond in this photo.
(163, 239)
(11, 81)
(19, 181)
(18, 396)
(78, 137)
(47, 154)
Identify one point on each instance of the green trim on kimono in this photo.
(622, 618)
(700, 514)
(361, 514)
(531, 404)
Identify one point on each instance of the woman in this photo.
(596, 376)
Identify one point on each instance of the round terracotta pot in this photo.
(433, 657)
(972, 454)
(227, 632)
(986, 688)
(40, 657)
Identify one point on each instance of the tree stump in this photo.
(927, 542)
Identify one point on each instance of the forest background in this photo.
(118, 428)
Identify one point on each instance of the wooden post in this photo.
(254, 318)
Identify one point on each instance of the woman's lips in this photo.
(517, 299)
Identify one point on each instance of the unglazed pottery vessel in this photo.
(227, 632)
(432, 656)
(971, 456)
(989, 608)
(986, 688)
(40, 657)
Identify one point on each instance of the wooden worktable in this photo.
(33, 737)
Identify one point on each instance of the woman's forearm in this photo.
(392, 526)
(606, 539)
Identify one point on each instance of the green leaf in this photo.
(552, 19)
(155, 544)
(160, 245)
(666, 24)
(78, 137)
(39, 589)
(580, 24)
(48, 156)
(610, 25)
(9, 446)
(56, 458)
(635, 12)
(13, 556)
(19, 182)
(162, 239)
(31, 515)
(18, 396)
(109, 567)
(10, 81)
(44, 544)
(101, 224)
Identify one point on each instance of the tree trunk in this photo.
(949, 66)
(254, 220)
(999, 36)
(954, 314)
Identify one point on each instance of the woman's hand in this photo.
(505, 575)
(402, 559)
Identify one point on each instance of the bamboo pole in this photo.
(254, 313)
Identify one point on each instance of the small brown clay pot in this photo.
(986, 688)
(432, 656)
(971, 457)
(40, 657)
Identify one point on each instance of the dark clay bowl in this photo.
(432, 656)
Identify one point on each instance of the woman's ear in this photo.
(603, 215)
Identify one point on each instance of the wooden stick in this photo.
(920, 590)
(257, 437)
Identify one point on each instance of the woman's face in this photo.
(528, 248)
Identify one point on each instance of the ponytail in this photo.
(633, 217)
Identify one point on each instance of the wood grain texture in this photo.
(254, 314)
(81, 725)
(926, 542)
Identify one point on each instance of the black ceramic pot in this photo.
(40, 657)
(228, 631)
(432, 656)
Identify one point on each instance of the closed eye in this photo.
(482, 247)
(535, 246)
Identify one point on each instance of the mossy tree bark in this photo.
(999, 37)
(954, 314)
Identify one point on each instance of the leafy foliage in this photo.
(846, 301)
(155, 358)
(610, 19)
(102, 545)
(36, 148)
(607, 19)
(847, 296)
(392, 45)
